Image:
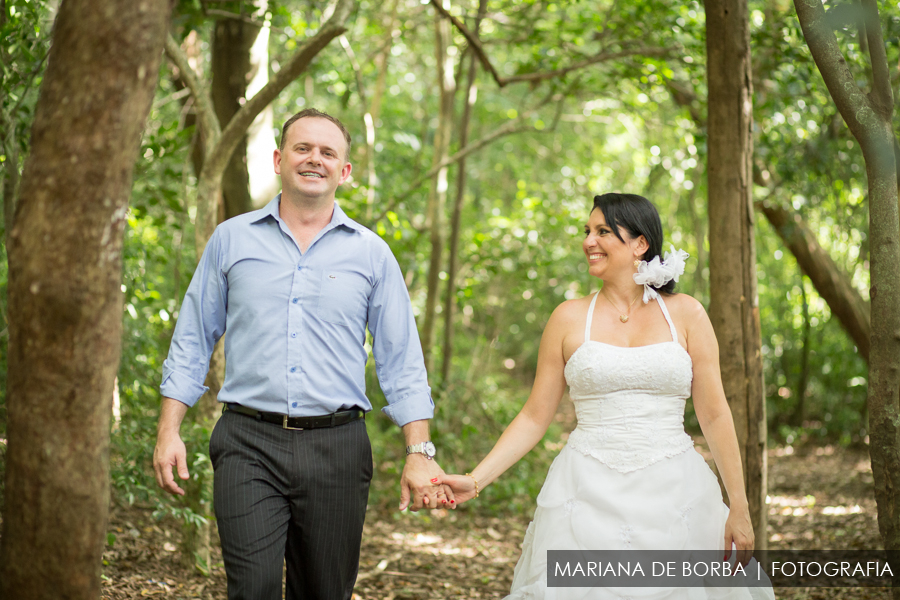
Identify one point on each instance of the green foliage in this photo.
(158, 262)
(631, 124)
(24, 29)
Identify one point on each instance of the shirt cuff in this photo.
(414, 407)
(181, 387)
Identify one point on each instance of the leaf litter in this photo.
(819, 498)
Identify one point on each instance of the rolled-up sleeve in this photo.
(399, 363)
(201, 322)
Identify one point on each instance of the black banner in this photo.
(707, 568)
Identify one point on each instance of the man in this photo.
(295, 284)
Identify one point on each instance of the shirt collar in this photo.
(338, 217)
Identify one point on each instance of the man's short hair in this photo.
(312, 112)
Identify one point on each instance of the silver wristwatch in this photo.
(426, 448)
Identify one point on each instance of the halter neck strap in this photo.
(662, 306)
(665, 312)
(590, 316)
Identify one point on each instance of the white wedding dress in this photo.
(628, 478)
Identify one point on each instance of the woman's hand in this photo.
(462, 486)
(739, 531)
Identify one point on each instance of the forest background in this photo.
(585, 97)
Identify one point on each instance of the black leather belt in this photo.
(341, 417)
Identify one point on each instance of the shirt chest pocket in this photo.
(342, 297)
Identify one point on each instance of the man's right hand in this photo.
(170, 452)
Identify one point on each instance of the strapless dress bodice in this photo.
(629, 402)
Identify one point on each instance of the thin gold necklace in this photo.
(624, 316)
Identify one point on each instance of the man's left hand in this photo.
(418, 485)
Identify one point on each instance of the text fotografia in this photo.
(701, 568)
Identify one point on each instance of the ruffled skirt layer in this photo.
(673, 504)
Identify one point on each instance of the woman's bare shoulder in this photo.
(570, 311)
(685, 308)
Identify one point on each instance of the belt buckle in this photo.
(284, 425)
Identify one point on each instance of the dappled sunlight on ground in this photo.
(821, 498)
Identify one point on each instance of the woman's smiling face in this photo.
(605, 252)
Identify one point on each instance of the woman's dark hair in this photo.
(636, 215)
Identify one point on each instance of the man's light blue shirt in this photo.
(296, 322)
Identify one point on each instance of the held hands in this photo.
(464, 487)
(420, 485)
(739, 531)
(170, 452)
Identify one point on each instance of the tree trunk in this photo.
(232, 40)
(734, 307)
(65, 261)
(437, 197)
(869, 118)
(796, 418)
(832, 284)
(455, 220)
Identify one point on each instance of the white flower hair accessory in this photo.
(657, 274)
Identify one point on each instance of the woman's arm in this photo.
(530, 425)
(716, 422)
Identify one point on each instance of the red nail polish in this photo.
(453, 502)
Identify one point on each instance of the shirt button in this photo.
(294, 405)
(295, 300)
(293, 335)
(293, 369)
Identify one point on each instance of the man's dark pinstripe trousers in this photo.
(290, 496)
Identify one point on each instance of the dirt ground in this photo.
(821, 498)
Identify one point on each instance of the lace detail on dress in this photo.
(630, 400)
(623, 455)
(625, 536)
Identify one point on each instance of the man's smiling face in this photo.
(313, 162)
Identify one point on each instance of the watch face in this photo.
(429, 449)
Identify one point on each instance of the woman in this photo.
(628, 477)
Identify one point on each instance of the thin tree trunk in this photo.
(64, 289)
(796, 418)
(734, 308)
(370, 118)
(869, 118)
(831, 283)
(437, 197)
(455, 220)
(232, 40)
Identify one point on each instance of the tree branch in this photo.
(357, 70)
(597, 58)
(823, 45)
(830, 281)
(473, 41)
(209, 122)
(217, 160)
(215, 12)
(514, 126)
(882, 95)
(478, 48)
